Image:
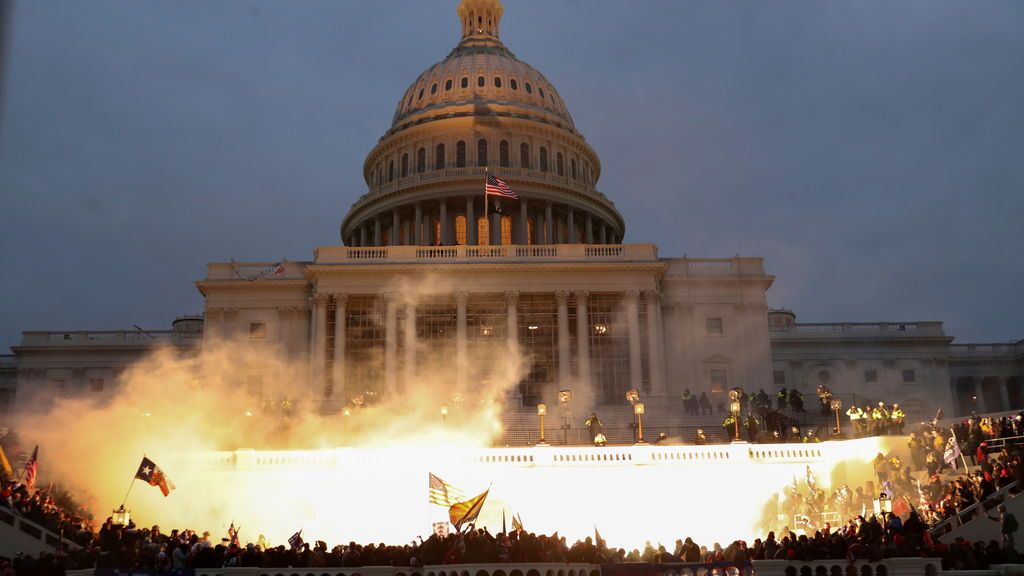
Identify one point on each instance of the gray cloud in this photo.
(869, 151)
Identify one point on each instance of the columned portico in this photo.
(582, 337)
(564, 367)
(319, 336)
(633, 325)
(390, 342)
(652, 302)
(461, 356)
(409, 343)
(338, 376)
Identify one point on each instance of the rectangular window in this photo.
(779, 377)
(719, 380)
(257, 330)
(870, 376)
(96, 384)
(715, 326)
(909, 377)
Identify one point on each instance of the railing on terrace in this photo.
(881, 329)
(108, 337)
(35, 531)
(987, 350)
(977, 509)
(513, 252)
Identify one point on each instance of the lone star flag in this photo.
(443, 493)
(497, 187)
(32, 469)
(463, 512)
(154, 476)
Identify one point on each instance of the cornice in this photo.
(204, 285)
(505, 267)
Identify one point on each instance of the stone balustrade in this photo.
(858, 330)
(109, 338)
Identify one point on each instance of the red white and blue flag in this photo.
(32, 469)
(497, 187)
(154, 476)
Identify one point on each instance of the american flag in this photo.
(497, 187)
(32, 469)
(443, 493)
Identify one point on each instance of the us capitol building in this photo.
(549, 276)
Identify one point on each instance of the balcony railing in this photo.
(554, 252)
(987, 350)
(110, 338)
(859, 329)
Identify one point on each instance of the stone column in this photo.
(549, 225)
(319, 340)
(582, 337)
(471, 229)
(633, 322)
(461, 344)
(284, 330)
(590, 228)
(390, 342)
(362, 236)
(443, 218)
(655, 340)
(495, 228)
(512, 333)
(409, 339)
(378, 231)
(396, 227)
(340, 300)
(417, 225)
(1004, 389)
(570, 222)
(524, 226)
(564, 362)
(602, 235)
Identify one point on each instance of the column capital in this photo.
(511, 297)
(461, 297)
(562, 296)
(633, 295)
(390, 297)
(581, 296)
(340, 298)
(652, 296)
(321, 298)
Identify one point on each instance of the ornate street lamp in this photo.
(638, 411)
(837, 405)
(883, 504)
(121, 517)
(542, 410)
(734, 408)
(564, 396)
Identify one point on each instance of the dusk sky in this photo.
(871, 151)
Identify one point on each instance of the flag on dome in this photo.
(443, 493)
(154, 476)
(497, 187)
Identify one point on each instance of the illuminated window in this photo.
(718, 379)
(460, 230)
(529, 232)
(437, 232)
(483, 231)
(715, 326)
(364, 342)
(506, 229)
(257, 330)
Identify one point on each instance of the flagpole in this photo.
(487, 215)
(125, 501)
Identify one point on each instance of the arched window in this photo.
(483, 231)
(503, 154)
(391, 170)
(543, 159)
(460, 230)
(405, 165)
(572, 168)
(460, 154)
(447, 84)
(559, 164)
(480, 81)
(439, 157)
(420, 97)
(433, 88)
(380, 172)
(529, 89)
(409, 101)
(541, 92)
(506, 229)
(421, 160)
(465, 82)
(497, 82)
(524, 155)
(481, 152)
(513, 84)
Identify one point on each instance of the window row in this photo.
(482, 81)
(824, 377)
(573, 169)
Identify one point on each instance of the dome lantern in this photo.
(480, 17)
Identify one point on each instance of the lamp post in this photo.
(542, 409)
(564, 396)
(121, 517)
(883, 505)
(837, 405)
(633, 397)
(734, 408)
(638, 411)
(444, 412)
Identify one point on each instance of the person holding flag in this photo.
(952, 452)
(462, 513)
(152, 474)
(32, 469)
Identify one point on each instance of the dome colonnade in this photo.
(481, 109)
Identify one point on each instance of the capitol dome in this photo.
(478, 110)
